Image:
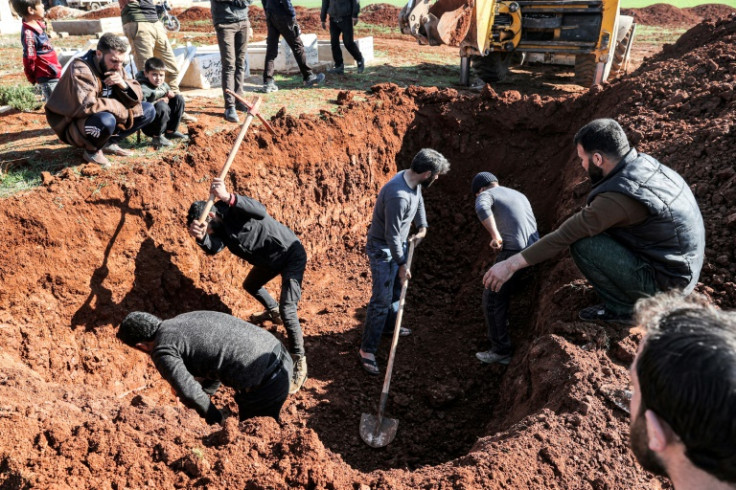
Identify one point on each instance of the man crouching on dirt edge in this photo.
(399, 203)
(243, 225)
(216, 348)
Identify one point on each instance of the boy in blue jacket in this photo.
(40, 62)
(169, 106)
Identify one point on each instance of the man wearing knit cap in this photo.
(399, 204)
(508, 217)
(640, 233)
(197, 351)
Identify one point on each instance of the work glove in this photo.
(213, 416)
(355, 21)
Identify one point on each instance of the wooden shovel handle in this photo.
(252, 110)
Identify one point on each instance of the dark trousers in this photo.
(291, 292)
(267, 399)
(344, 26)
(279, 25)
(496, 310)
(619, 276)
(233, 42)
(168, 116)
(101, 127)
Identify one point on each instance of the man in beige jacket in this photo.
(94, 106)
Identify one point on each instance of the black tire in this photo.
(491, 68)
(94, 6)
(619, 56)
(172, 24)
(585, 66)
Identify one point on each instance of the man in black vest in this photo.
(640, 233)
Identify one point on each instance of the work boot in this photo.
(231, 115)
(337, 70)
(96, 157)
(300, 374)
(270, 87)
(314, 80)
(188, 118)
(270, 315)
(489, 357)
(159, 141)
(361, 66)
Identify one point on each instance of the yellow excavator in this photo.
(492, 35)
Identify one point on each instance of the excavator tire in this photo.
(622, 45)
(585, 69)
(585, 64)
(491, 68)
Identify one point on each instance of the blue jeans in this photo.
(619, 276)
(384, 303)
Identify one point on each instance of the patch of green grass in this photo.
(19, 97)
(19, 180)
(658, 35)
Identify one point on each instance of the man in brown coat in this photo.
(94, 106)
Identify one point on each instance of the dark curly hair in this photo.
(138, 327)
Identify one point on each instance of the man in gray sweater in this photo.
(399, 204)
(508, 217)
(216, 348)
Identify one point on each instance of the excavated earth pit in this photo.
(81, 410)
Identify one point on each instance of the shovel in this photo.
(377, 430)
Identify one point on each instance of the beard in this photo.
(640, 447)
(427, 183)
(595, 173)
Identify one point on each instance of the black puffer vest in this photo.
(672, 239)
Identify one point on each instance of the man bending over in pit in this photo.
(216, 348)
(683, 409)
(243, 225)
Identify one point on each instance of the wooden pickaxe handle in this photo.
(252, 110)
(243, 129)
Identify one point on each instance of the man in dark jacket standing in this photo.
(640, 233)
(94, 106)
(216, 348)
(343, 16)
(243, 225)
(281, 21)
(230, 18)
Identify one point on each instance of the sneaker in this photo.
(96, 157)
(403, 332)
(176, 135)
(115, 149)
(314, 80)
(337, 70)
(489, 357)
(361, 66)
(188, 118)
(231, 115)
(603, 314)
(159, 141)
(300, 374)
(270, 87)
(270, 315)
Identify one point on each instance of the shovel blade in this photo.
(377, 433)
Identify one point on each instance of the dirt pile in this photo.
(666, 15)
(81, 410)
(111, 11)
(381, 14)
(60, 12)
(194, 13)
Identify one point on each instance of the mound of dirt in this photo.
(81, 410)
(195, 13)
(380, 14)
(663, 14)
(60, 12)
(111, 11)
(712, 11)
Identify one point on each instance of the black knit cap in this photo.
(482, 180)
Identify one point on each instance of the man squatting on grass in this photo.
(683, 408)
(94, 106)
(243, 225)
(640, 233)
(217, 349)
(399, 204)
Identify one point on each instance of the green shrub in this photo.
(20, 97)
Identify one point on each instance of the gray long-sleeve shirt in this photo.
(212, 345)
(397, 206)
(513, 215)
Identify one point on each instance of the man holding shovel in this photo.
(243, 225)
(399, 204)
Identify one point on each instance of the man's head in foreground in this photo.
(683, 409)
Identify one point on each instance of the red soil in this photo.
(81, 410)
(111, 11)
(666, 15)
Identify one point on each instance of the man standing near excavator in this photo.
(243, 225)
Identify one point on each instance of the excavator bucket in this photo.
(444, 22)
